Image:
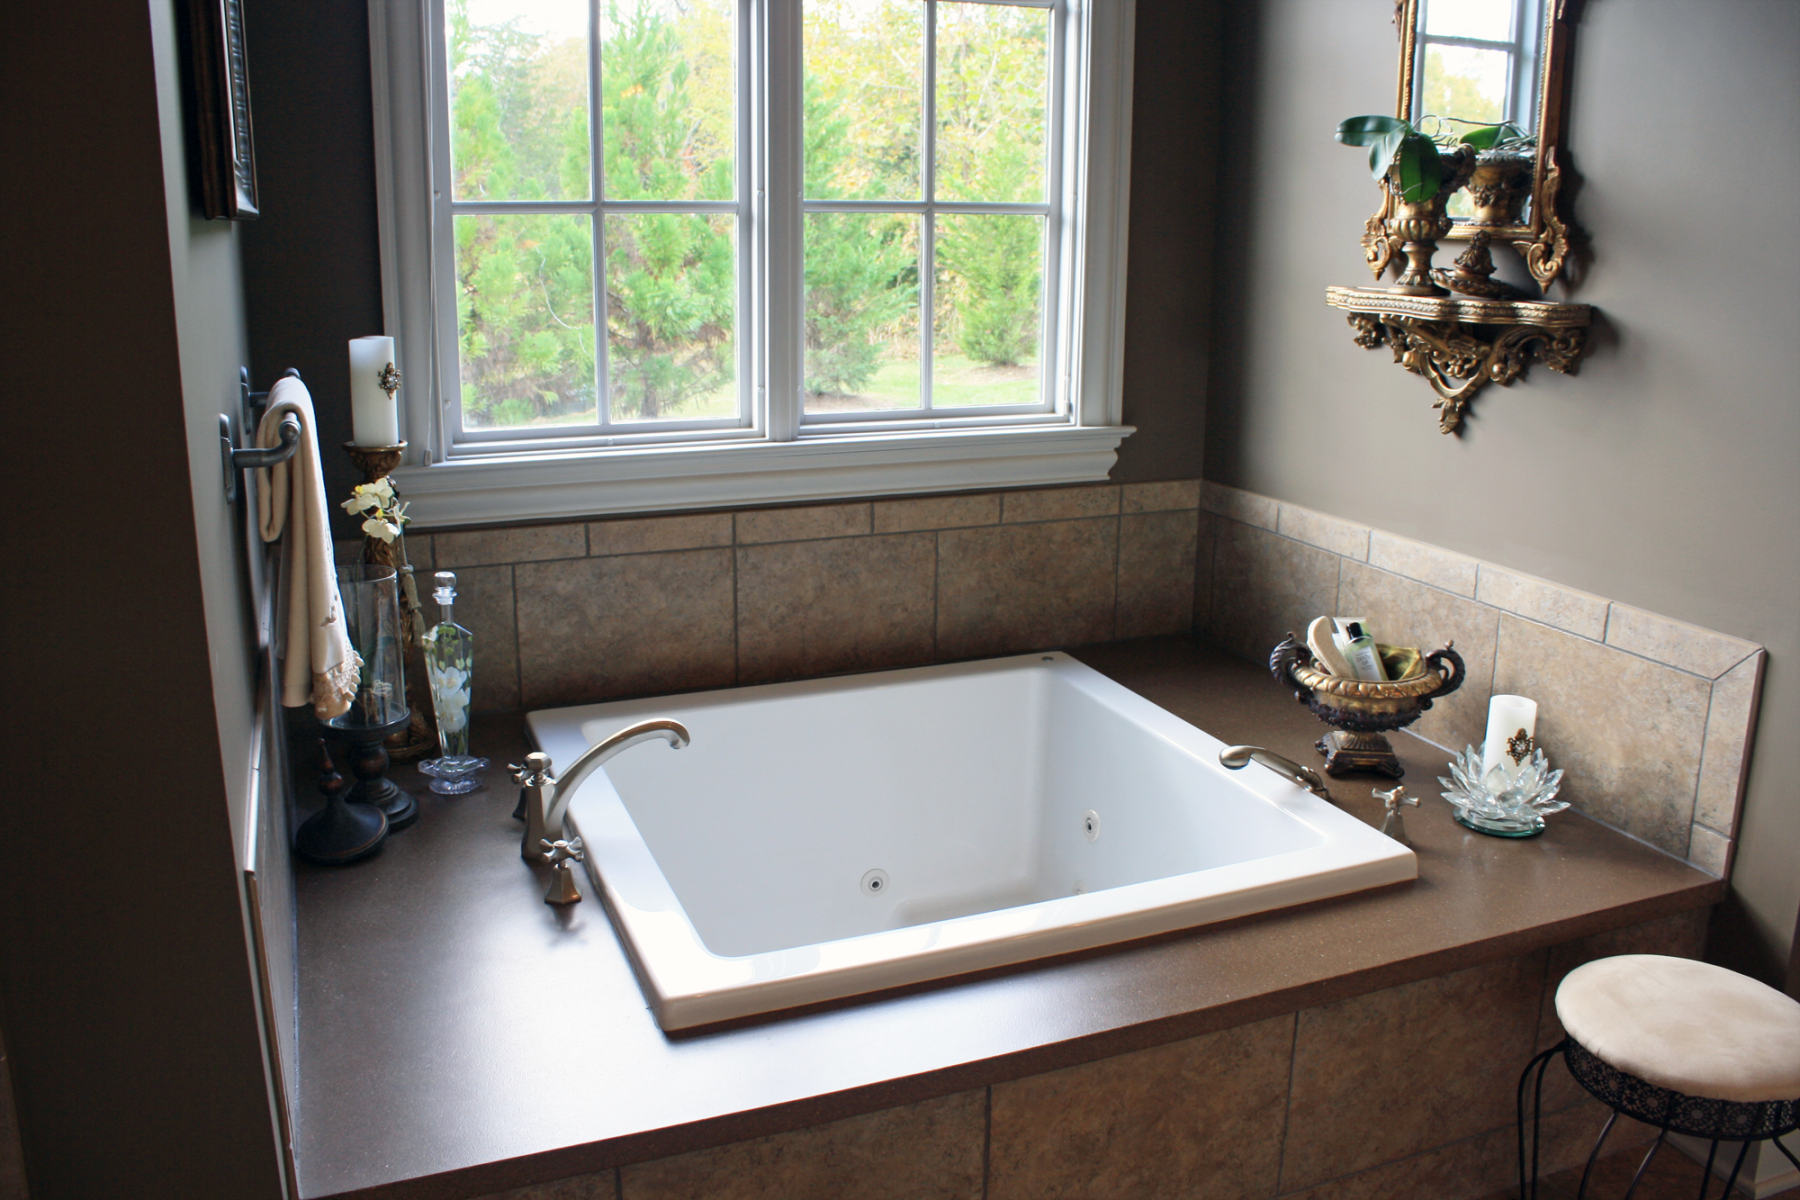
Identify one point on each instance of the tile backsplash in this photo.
(605, 609)
(1651, 717)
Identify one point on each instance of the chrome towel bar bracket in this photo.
(233, 459)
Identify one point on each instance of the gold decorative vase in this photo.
(1417, 226)
(1498, 186)
(1362, 712)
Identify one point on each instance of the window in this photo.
(1476, 65)
(667, 253)
(1477, 61)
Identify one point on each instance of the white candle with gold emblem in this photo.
(1511, 735)
(374, 415)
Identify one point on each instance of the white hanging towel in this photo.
(320, 667)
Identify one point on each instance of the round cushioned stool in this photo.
(1685, 1046)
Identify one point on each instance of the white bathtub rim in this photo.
(689, 985)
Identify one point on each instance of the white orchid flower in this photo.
(375, 527)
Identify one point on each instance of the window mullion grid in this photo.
(597, 190)
(928, 221)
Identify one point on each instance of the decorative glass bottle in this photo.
(449, 664)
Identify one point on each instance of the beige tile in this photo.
(1238, 505)
(1386, 1075)
(794, 524)
(1482, 1166)
(1708, 850)
(1059, 504)
(926, 1151)
(1339, 536)
(1266, 586)
(1628, 731)
(1407, 613)
(1673, 642)
(1156, 573)
(1200, 1117)
(1008, 588)
(1203, 571)
(636, 625)
(1730, 730)
(1426, 563)
(1160, 497)
(601, 1185)
(642, 535)
(1540, 600)
(527, 543)
(484, 606)
(937, 512)
(837, 604)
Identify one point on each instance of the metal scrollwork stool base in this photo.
(1631, 1023)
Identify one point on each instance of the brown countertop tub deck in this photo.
(461, 1038)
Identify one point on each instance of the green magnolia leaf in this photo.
(1485, 136)
(1367, 131)
(1382, 135)
(1421, 170)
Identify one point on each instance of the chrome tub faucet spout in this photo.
(1238, 757)
(547, 796)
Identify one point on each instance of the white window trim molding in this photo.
(780, 467)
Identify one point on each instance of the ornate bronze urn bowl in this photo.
(1361, 712)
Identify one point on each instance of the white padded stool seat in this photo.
(1687, 1026)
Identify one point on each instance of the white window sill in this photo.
(562, 485)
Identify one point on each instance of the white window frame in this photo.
(776, 456)
(1523, 50)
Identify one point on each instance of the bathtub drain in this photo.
(875, 882)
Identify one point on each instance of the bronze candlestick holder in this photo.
(1362, 712)
(345, 830)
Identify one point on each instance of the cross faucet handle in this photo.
(1394, 797)
(560, 851)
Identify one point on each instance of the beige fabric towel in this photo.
(321, 666)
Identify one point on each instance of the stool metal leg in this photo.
(1542, 1063)
(1594, 1154)
(1645, 1165)
(1736, 1167)
(1706, 1175)
(1786, 1151)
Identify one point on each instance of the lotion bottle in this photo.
(1361, 652)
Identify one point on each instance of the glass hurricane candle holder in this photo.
(1500, 805)
(379, 710)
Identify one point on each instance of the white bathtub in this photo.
(832, 837)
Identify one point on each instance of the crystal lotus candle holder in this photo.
(1494, 804)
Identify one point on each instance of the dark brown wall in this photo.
(1169, 294)
(125, 982)
(312, 262)
(312, 268)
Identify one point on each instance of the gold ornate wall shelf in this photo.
(1460, 344)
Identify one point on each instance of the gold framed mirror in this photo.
(1490, 61)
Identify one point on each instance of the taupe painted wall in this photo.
(1665, 474)
(125, 978)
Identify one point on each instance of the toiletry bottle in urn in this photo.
(1362, 655)
(449, 664)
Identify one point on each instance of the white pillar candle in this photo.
(1511, 735)
(374, 415)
